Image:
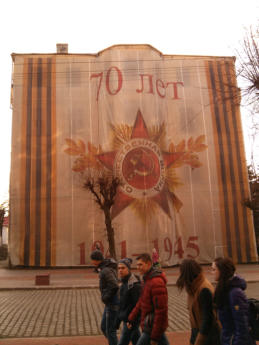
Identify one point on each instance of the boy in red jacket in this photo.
(153, 304)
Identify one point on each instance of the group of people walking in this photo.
(217, 316)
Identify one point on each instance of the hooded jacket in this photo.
(153, 299)
(129, 294)
(233, 315)
(108, 282)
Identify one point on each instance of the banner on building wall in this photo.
(168, 126)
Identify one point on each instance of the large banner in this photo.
(168, 126)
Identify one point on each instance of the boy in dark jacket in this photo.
(129, 294)
(109, 288)
(153, 304)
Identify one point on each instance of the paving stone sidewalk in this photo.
(67, 312)
(73, 312)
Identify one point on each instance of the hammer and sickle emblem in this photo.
(142, 163)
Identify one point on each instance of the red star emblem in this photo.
(141, 165)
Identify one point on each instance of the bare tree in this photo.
(98, 180)
(103, 186)
(248, 75)
(248, 66)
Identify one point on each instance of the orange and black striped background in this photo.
(237, 226)
(38, 170)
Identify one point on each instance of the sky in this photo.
(188, 27)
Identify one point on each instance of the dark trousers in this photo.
(108, 324)
(145, 340)
(128, 335)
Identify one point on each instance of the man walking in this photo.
(109, 288)
(129, 294)
(153, 304)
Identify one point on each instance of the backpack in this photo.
(253, 316)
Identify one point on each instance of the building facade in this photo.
(168, 126)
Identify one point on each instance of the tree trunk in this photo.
(110, 233)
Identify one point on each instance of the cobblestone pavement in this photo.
(73, 312)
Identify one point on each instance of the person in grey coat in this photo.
(109, 288)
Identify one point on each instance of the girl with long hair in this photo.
(204, 327)
(231, 303)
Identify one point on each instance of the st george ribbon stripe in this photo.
(240, 182)
(49, 163)
(225, 118)
(38, 196)
(27, 186)
(37, 211)
(221, 158)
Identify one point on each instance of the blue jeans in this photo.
(128, 335)
(108, 324)
(145, 340)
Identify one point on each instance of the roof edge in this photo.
(134, 46)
